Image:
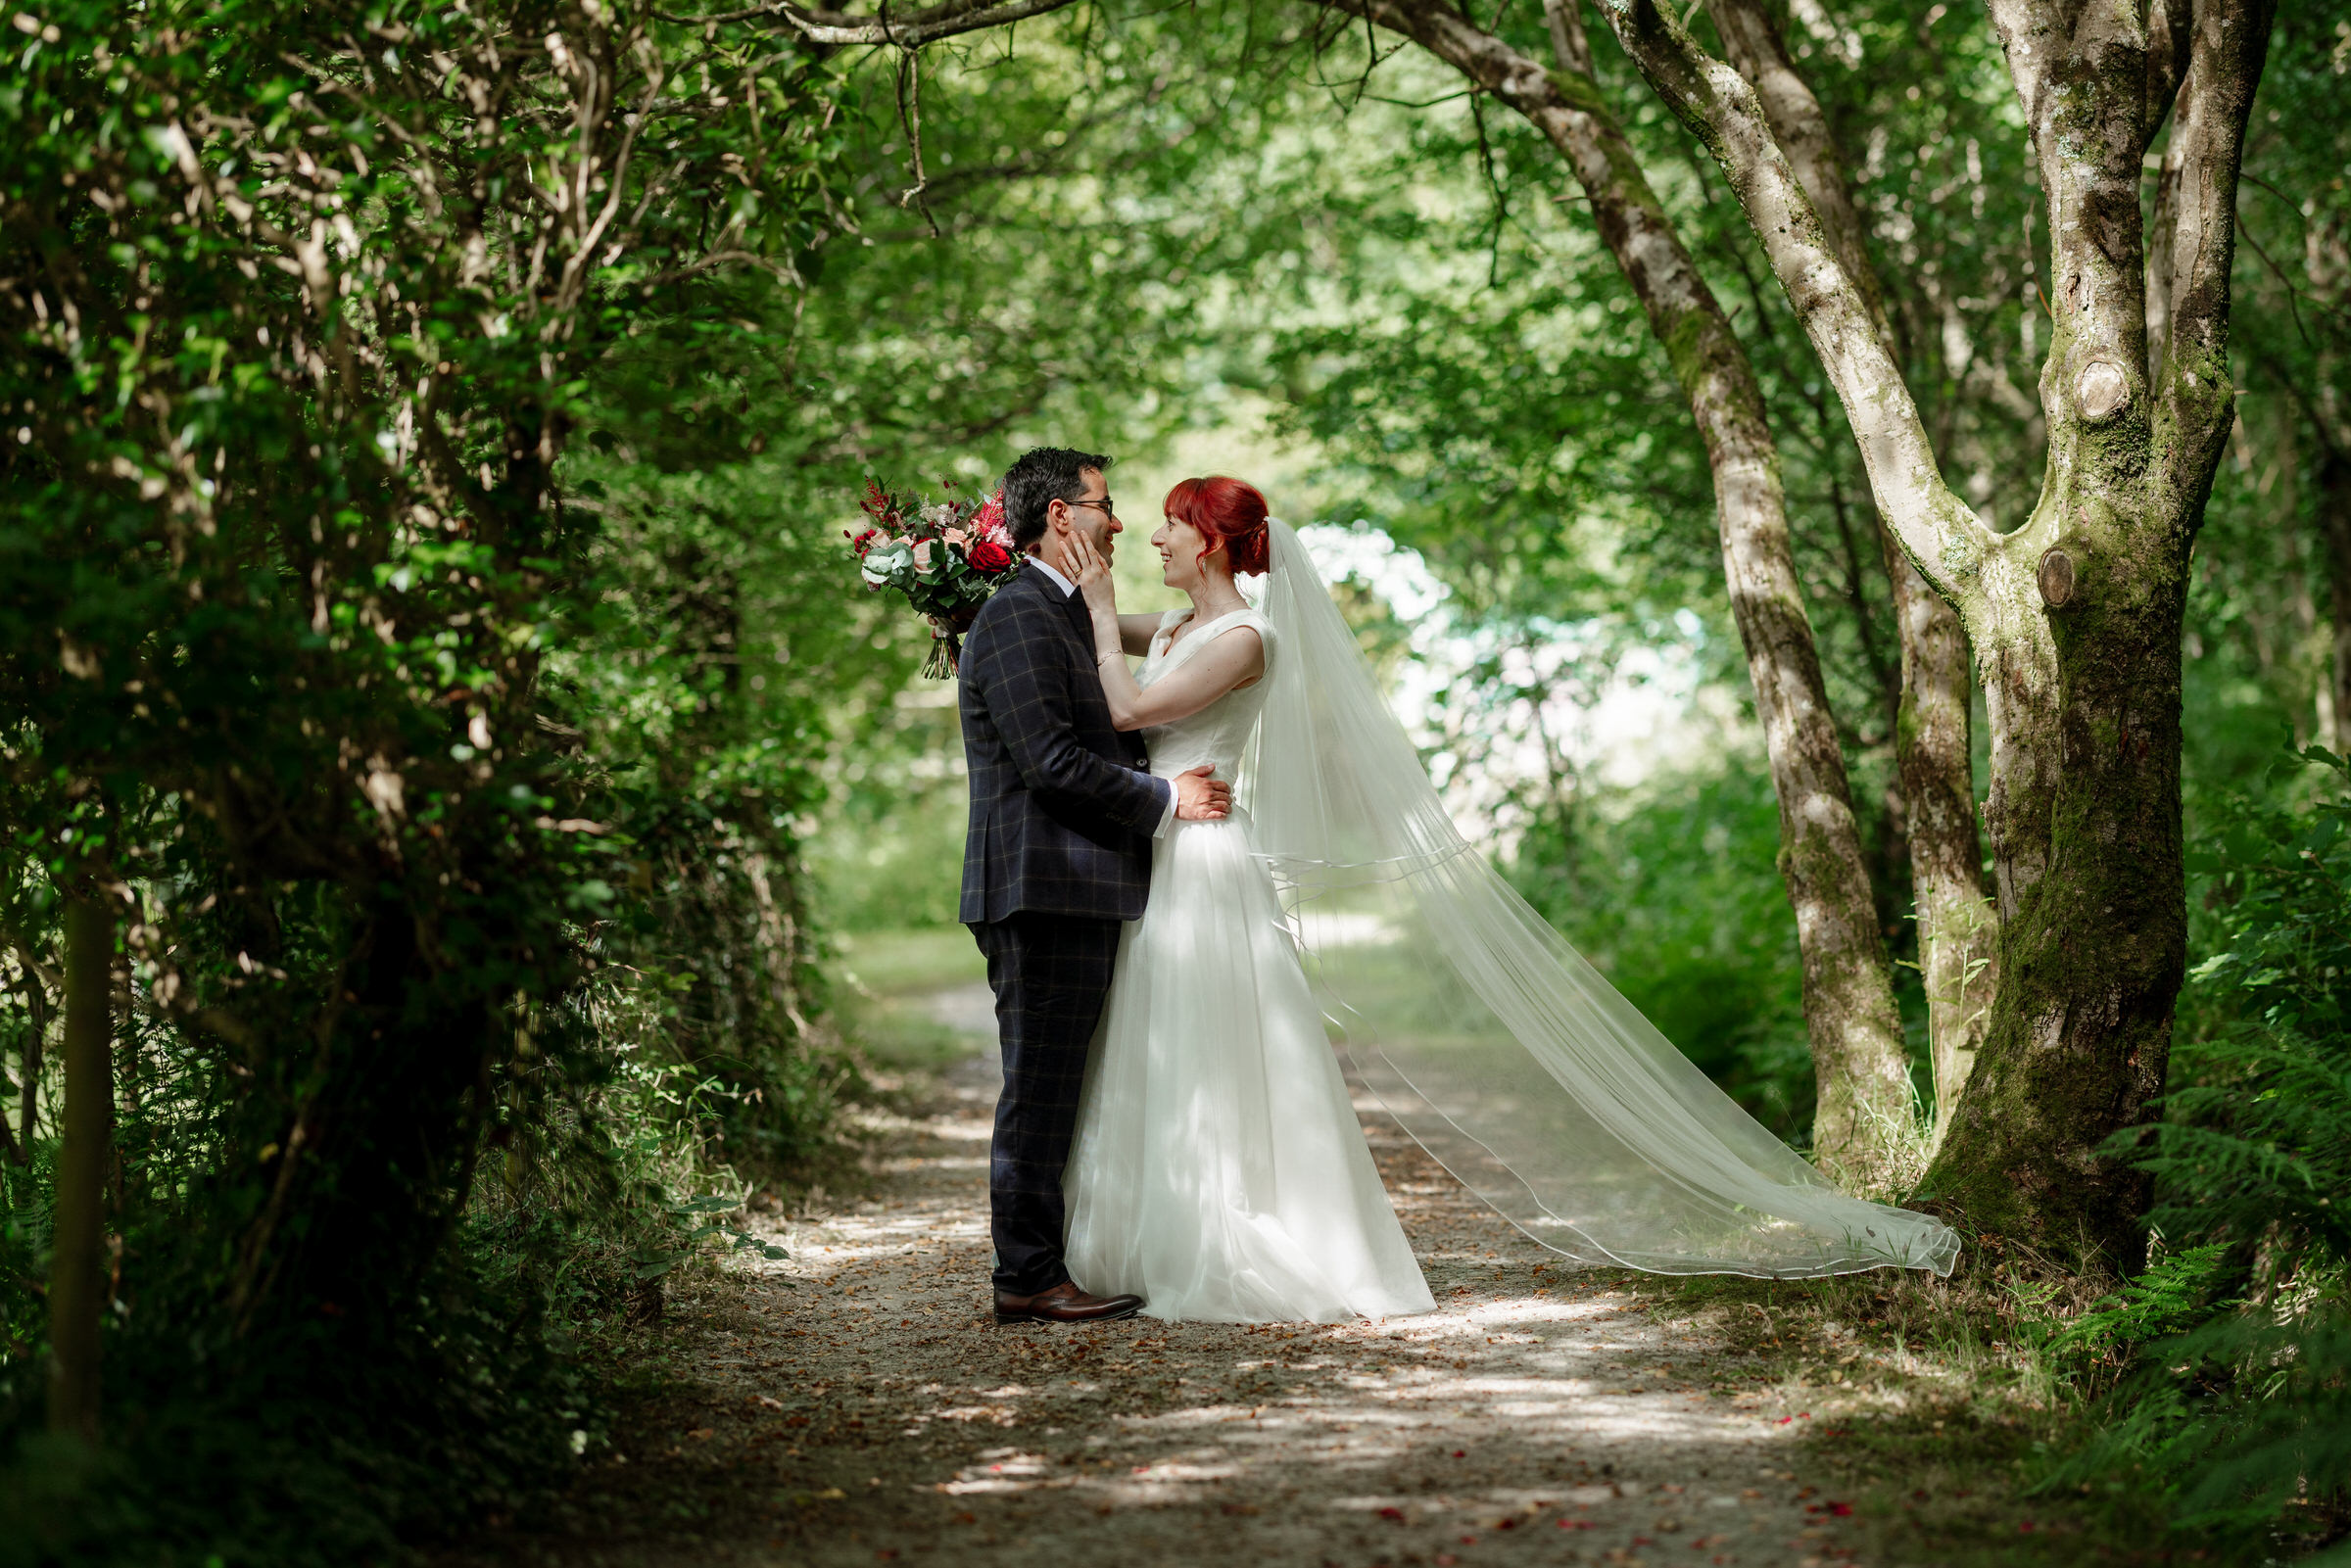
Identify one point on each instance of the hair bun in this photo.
(1226, 511)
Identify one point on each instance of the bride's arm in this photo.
(1236, 658)
(1136, 633)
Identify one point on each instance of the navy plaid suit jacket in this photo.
(1062, 810)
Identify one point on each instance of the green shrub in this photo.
(1671, 895)
(406, 780)
(2226, 1365)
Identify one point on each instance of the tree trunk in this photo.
(1865, 1131)
(29, 1061)
(75, 1295)
(36, 1043)
(2095, 947)
(1958, 929)
(2335, 521)
(2076, 617)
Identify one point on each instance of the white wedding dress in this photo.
(1218, 1170)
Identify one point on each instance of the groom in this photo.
(1057, 855)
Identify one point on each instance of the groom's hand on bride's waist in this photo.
(1200, 796)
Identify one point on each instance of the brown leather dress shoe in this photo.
(1065, 1303)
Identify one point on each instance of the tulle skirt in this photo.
(1219, 1169)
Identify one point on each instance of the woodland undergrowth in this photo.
(2203, 1411)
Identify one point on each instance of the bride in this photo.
(1219, 1169)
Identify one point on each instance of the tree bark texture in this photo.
(1958, 926)
(76, 1280)
(1958, 929)
(2075, 617)
(1865, 1131)
(28, 1056)
(2335, 519)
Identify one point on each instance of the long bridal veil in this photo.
(1509, 1058)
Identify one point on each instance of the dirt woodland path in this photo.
(869, 1411)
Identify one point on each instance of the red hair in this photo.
(1229, 512)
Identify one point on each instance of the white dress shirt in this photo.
(1066, 589)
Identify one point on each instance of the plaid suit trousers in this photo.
(1050, 973)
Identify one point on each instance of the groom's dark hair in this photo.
(1042, 476)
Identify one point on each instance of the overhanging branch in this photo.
(1753, 44)
(2231, 41)
(912, 29)
(1939, 532)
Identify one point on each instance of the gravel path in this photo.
(876, 1413)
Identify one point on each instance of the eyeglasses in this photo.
(1101, 501)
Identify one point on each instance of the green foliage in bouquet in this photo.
(946, 556)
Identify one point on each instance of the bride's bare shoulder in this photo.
(1237, 651)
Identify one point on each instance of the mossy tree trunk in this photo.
(1864, 1128)
(1958, 929)
(78, 1234)
(2075, 617)
(2334, 523)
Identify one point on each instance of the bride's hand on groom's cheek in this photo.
(1091, 574)
(1200, 796)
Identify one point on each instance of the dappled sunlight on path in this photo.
(878, 1414)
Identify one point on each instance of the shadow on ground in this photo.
(856, 1405)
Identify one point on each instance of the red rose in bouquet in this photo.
(946, 556)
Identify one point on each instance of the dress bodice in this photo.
(1218, 732)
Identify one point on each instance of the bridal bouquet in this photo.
(946, 556)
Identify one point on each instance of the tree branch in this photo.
(1939, 532)
(2170, 27)
(2025, 27)
(2232, 41)
(1754, 46)
(839, 28)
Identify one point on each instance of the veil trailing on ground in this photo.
(1508, 1057)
